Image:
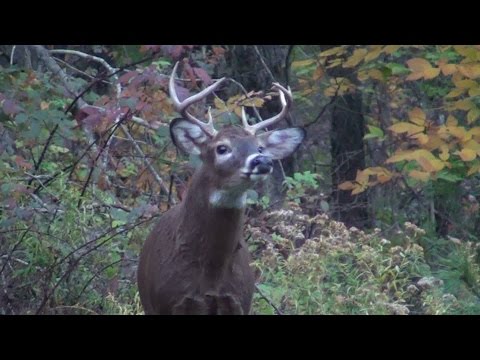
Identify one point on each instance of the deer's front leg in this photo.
(223, 304)
(190, 305)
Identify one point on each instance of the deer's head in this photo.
(234, 157)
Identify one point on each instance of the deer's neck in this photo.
(212, 222)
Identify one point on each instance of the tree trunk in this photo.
(256, 68)
(348, 155)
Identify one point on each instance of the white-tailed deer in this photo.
(195, 261)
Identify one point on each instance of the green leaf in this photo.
(374, 132)
(163, 131)
(448, 176)
(397, 69)
(21, 118)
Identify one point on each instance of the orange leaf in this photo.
(419, 175)
(318, 73)
(418, 65)
(448, 69)
(347, 185)
(359, 189)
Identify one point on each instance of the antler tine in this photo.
(182, 106)
(286, 99)
(244, 118)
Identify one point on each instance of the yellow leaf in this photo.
(473, 115)
(376, 75)
(474, 91)
(383, 175)
(362, 176)
(44, 105)
(465, 84)
(430, 165)
(359, 189)
(467, 154)
(466, 51)
(399, 156)
(422, 153)
(464, 105)
(472, 145)
(373, 54)
(434, 142)
(457, 131)
(475, 131)
(363, 75)
(234, 99)
(383, 178)
(390, 49)
(417, 116)
(330, 91)
(419, 175)
(219, 104)
(471, 71)
(431, 73)
(444, 155)
(334, 63)
(238, 111)
(252, 102)
(355, 58)
(455, 93)
(421, 138)
(402, 127)
(474, 169)
(302, 63)
(333, 51)
(452, 121)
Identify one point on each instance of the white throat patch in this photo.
(228, 200)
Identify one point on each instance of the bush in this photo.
(318, 266)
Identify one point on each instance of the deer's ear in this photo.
(279, 144)
(187, 136)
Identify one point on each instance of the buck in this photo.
(195, 260)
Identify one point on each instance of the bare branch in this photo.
(268, 301)
(150, 168)
(255, 47)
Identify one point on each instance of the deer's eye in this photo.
(222, 149)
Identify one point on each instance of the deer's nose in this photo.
(261, 165)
